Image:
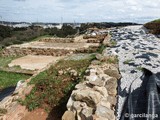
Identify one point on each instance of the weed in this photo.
(8, 79)
(140, 68)
(128, 61)
(113, 43)
(101, 48)
(112, 59)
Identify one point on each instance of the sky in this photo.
(139, 11)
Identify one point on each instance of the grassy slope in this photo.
(52, 89)
(10, 79)
(153, 26)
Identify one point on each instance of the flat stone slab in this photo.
(33, 62)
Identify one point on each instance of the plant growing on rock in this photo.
(113, 43)
(128, 61)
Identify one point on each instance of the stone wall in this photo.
(96, 97)
(50, 51)
(57, 40)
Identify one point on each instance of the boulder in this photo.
(92, 78)
(97, 82)
(113, 72)
(68, 115)
(111, 86)
(95, 117)
(80, 86)
(105, 112)
(99, 57)
(86, 113)
(101, 90)
(89, 96)
(112, 100)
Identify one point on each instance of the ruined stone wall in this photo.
(57, 40)
(18, 51)
(96, 97)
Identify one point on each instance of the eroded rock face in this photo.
(95, 98)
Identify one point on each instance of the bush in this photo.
(153, 26)
(5, 31)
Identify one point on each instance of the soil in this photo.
(38, 114)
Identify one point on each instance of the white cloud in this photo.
(80, 10)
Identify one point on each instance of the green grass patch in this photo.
(101, 48)
(42, 37)
(140, 68)
(8, 79)
(4, 61)
(128, 61)
(113, 43)
(112, 60)
(52, 88)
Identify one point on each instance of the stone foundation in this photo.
(49, 49)
(57, 40)
(96, 97)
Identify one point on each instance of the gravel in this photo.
(135, 49)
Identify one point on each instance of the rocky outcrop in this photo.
(95, 98)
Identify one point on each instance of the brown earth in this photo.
(38, 114)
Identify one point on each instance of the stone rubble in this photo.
(95, 98)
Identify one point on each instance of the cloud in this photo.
(80, 10)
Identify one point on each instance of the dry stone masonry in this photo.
(95, 98)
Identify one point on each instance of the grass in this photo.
(4, 61)
(52, 88)
(42, 37)
(140, 68)
(8, 79)
(113, 43)
(101, 48)
(128, 61)
(112, 60)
